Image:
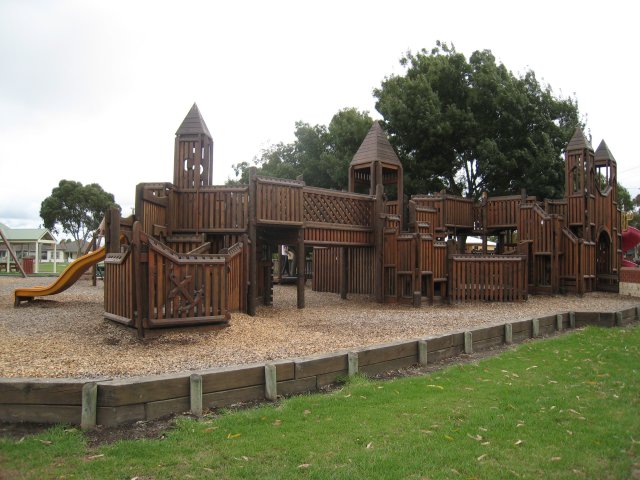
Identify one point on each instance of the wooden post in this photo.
(344, 274)
(535, 327)
(94, 270)
(89, 405)
(13, 254)
(618, 319)
(508, 333)
(253, 240)
(195, 393)
(112, 238)
(270, 382)
(377, 166)
(559, 322)
(451, 246)
(246, 254)
(572, 319)
(555, 259)
(422, 353)
(352, 358)
(378, 270)
(138, 209)
(413, 221)
(484, 205)
(137, 275)
(400, 192)
(417, 273)
(468, 343)
(301, 265)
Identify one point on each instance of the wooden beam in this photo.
(344, 273)
(378, 269)
(13, 254)
(301, 266)
(253, 240)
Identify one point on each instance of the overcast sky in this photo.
(94, 91)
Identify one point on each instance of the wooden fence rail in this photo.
(279, 201)
(489, 278)
(211, 209)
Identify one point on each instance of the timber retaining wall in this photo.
(114, 402)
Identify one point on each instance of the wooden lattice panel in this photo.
(326, 206)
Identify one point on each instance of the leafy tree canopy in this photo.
(321, 154)
(76, 209)
(471, 125)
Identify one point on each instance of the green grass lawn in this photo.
(48, 267)
(566, 407)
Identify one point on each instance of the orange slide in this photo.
(68, 277)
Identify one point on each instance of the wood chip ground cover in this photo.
(67, 336)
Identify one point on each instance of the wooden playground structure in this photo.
(193, 252)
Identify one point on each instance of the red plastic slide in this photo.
(630, 238)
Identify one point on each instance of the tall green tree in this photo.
(76, 209)
(320, 153)
(471, 125)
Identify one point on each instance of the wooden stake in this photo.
(89, 406)
(422, 353)
(468, 343)
(195, 391)
(508, 333)
(270, 382)
(535, 326)
(352, 358)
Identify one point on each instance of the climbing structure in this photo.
(194, 252)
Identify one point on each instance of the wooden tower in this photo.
(607, 220)
(580, 185)
(193, 158)
(376, 163)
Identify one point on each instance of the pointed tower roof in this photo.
(603, 152)
(193, 123)
(579, 141)
(375, 146)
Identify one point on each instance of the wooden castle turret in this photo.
(606, 171)
(376, 163)
(193, 158)
(580, 184)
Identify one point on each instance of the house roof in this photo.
(22, 235)
(375, 146)
(193, 123)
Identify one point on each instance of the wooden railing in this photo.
(236, 258)
(210, 209)
(488, 278)
(332, 217)
(119, 287)
(150, 285)
(391, 207)
(279, 201)
(536, 226)
(184, 289)
(327, 269)
(152, 207)
(503, 212)
(452, 211)
(570, 275)
(557, 207)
